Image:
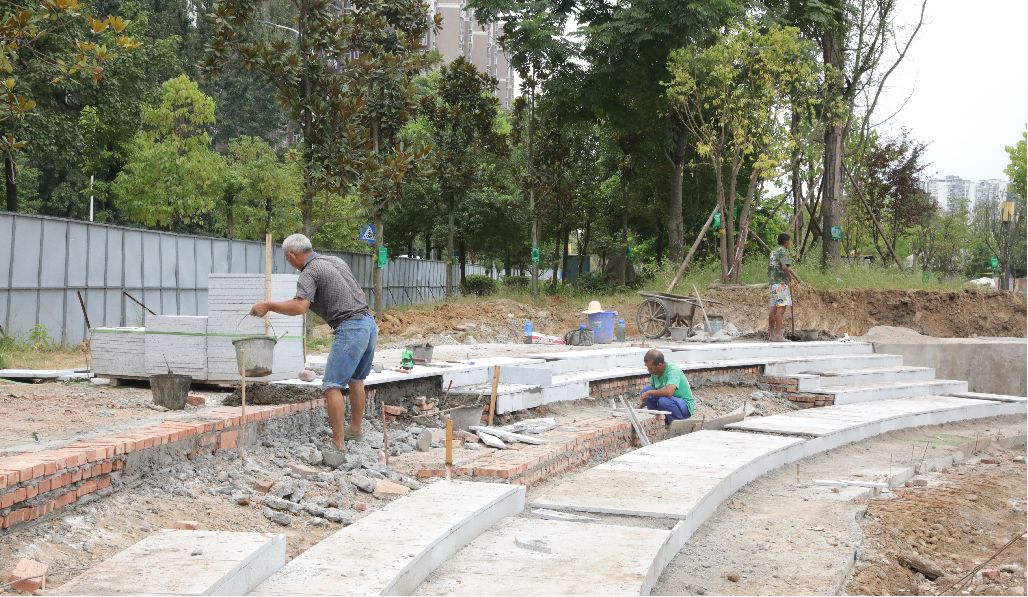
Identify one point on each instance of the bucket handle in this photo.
(270, 325)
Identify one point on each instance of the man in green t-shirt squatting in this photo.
(779, 273)
(668, 390)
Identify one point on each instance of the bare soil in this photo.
(941, 314)
(36, 416)
(963, 517)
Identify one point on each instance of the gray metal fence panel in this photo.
(45, 261)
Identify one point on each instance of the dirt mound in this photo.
(940, 314)
(854, 312)
(962, 519)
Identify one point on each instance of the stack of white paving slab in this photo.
(176, 344)
(229, 298)
(118, 351)
(392, 550)
(179, 562)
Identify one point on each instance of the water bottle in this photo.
(528, 331)
(621, 330)
(581, 327)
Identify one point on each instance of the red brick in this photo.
(389, 409)
(991, 575)
(360, 506)
(103, 482)
(25, 574)
(195, 399)
(106, 467)
(118, 465)
(228, 439)
(264, 485)
(10, 498)
(86, 488)
(187, 525)
(66, 499)
(31, 491)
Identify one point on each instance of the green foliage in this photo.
(516, 283)
(478, 285)
(40, 340)
(1016, 170)
(173, 177)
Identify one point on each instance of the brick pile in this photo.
(567, 448)
(35, 484)
(426, 407)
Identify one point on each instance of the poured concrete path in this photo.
(174, 562)
(525, 556)
(390, 551)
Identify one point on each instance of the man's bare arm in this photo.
(294, 306)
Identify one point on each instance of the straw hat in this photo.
(594, 307)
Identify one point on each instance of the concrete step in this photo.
(816, 364)
(854, 422)
(173, 562)
(841, 378)
(525, 556)
(392, 550)
(871, 393)
(509, 397)
(764, 350)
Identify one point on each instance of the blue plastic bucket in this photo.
(602, 324)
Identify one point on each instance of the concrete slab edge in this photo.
(443, 548)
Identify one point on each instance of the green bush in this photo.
(516, 282)
(478, 285)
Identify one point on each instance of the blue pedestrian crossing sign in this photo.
(368, 234)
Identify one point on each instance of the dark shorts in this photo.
(352, 352)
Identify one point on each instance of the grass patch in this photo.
(17, 353)
(754, 271)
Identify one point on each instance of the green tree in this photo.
(462, 113)
(260, 191)
(172, 178)
(732, 97)
(56, 40)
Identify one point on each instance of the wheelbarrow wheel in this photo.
(653, 318)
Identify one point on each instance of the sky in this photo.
(966, 77)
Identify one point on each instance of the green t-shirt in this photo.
(775, 273)
(673, 376)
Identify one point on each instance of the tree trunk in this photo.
(564, 260)
(675, 225)
(660, 241)
(531, 184)
(452, 208)
(623, 270)
(463, 256)
(230, 221)
(797, 183)
(831, 202)
(377, 272)
(428, 244)
(583, 251)
(11, 182)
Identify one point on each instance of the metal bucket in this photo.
(259, 353)
(680, 333)
(170, 390)
(466, 416)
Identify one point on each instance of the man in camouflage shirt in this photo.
(779, 273)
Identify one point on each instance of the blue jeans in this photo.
(678, 408)
(352, 352)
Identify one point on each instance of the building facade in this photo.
(462, 35)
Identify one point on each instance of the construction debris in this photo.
(491, 440)
(507, 435)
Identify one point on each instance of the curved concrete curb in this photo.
(687, 478)
(391, 551)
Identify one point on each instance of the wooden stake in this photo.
(242, 417)
(267, 281)
(449, 446)
(492, 399)
(702, 309)
(692, 251)
(385, 435)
